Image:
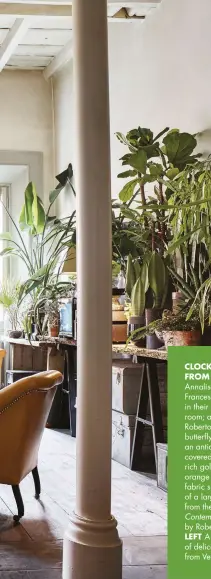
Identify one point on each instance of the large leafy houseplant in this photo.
(50, 240)
(189, 215)
(154, 163)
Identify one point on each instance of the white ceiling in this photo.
(31, 41)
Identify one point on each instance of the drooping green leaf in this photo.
(38, 212)
(6, 236)
(125, 174)
(138, 298)
(29, 197)
(128, 190)
(144, 276)
(157, 277)
(40, 273)
(22, 219)
(65, 176)
(152, 150)
(172, 173)
(178, 147)
(137, 269)
(139, 161)
(54, 194)
(7, 251)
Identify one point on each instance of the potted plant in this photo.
(9, 298)
(50, 239)
(175, 330)
(52, 314)
(178, 331)
(202, 303)
(135, 290)
(189, 216)
(146, 288)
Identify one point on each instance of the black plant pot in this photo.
(153, 342)
(134, 323)
(206, 337)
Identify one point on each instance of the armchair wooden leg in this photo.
(19, 503)
(37, 485)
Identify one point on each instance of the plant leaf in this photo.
(38, 213)
(126, 174)
(7, 251)
(139, 161)
(127, 192)
(54, 194)
(6, 236)
(157, 277)
(138, 298)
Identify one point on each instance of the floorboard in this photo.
(33, 549)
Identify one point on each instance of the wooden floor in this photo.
(33, 550)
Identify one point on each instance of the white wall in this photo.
(18, 270)
(159, 76)
(64, 131)
(26, 117)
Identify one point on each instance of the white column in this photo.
(92, 548)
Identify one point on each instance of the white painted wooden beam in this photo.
(13, 38)
(59, 61)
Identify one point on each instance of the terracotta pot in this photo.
(54, 331)
(134, 323)
(184, 338)
(153, 342)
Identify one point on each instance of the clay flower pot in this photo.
(53, 331)
(183, 338)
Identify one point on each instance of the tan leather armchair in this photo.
(24, 409)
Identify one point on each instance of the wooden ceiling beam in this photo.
(12, 40)
(21, 10)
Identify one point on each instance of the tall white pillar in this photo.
(92, 548)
